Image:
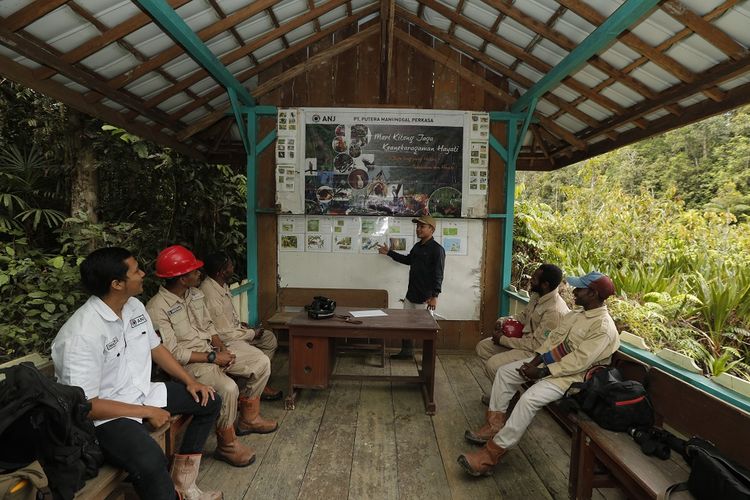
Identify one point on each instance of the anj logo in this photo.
(325, 118)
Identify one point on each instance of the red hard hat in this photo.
(175, 261)
(512, 328)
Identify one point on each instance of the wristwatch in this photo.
(212, 356)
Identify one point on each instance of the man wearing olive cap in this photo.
(426, 262)
(585, 337)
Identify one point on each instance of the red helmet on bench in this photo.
(512, 328)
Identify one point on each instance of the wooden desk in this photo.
(312, 356)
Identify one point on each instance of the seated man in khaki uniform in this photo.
(586, 337)
(542, 314)
(179, 313)
(219, 269)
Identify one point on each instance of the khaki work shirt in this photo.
(219, 304)
(541, 315)
(184, 323)
(591, 338)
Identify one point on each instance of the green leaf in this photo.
(58, 262)
(49, 307)
(37, 294)
(9, 250)
(4, 278)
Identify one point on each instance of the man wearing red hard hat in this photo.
(517, 337)
(585, 337)
(187, 330)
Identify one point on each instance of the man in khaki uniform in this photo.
(585, 338)
(542, 314)
(219, 269)
(179, 312)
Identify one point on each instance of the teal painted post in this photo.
(510, 198)
(252, 221)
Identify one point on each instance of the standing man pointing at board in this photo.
(426, 261)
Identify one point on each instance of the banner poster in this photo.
(291, 233)
(383, 161)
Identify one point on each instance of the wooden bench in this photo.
(108, 484)
(604, 459)
(293, 300)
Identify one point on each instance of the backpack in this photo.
(712, 475)
(610, 401)
(46, 421)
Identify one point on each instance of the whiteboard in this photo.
(460, 299)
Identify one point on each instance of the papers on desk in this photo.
(367, 314)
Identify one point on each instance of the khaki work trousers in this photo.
(266, 341)
(507, 382)
(250, 363)
(495, 356)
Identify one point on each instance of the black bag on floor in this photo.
(46, 421)
(712, 475)
(610, 401)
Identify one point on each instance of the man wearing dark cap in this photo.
(426, 262)
(585, 337)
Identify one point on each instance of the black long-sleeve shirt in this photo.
(426, 262)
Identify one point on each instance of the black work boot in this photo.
(407, 350)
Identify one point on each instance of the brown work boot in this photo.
(271, 394)
(482, 461)
(250, 419)
(494, 421)
(184, 473)
(230, 450)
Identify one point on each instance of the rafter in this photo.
(281, 56)
(482, 83)
(47, 56)
(387, 20)
(240, 52)
(628, 38)
(26, 77)
(518, 52)
(494, 27)
(316, 22)
(27, 15)
(709, 78)
(736, 97)
(276, 25)
(550, 23)
(492, 64)
(205, 34)
(711, 33)
(459, 11)
(233, 30)
(113, 34)
(273, 83)
(568, 44)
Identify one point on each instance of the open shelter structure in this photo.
(563, 81)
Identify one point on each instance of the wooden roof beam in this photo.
(721, 72)
(316, 22)
(26, 77)
(736, 97)
(271, 61)
(636, 43)
(113, 34)
(205, 34)
(483, 84)
(240, 52)
(48, 56)
(27, 15)
(235, 34)
(493, 28)
(705, 29)
(518, 52)
(568, 44)
(550, 23)
(276, 24)
(266, 87)
(493, 65)
(387, 21)
(459, 11)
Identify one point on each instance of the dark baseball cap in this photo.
(600, 283)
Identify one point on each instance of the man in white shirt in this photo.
(106, 347)
(585, 337)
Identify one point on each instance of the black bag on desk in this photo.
(610, 401)
(321, 308)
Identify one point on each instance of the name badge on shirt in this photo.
(112, 344)
(139, 320)
(177, 308)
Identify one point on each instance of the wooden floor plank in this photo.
(450, 423)
(374, 473)
(420, 468)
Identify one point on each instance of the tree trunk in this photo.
(84, 190)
